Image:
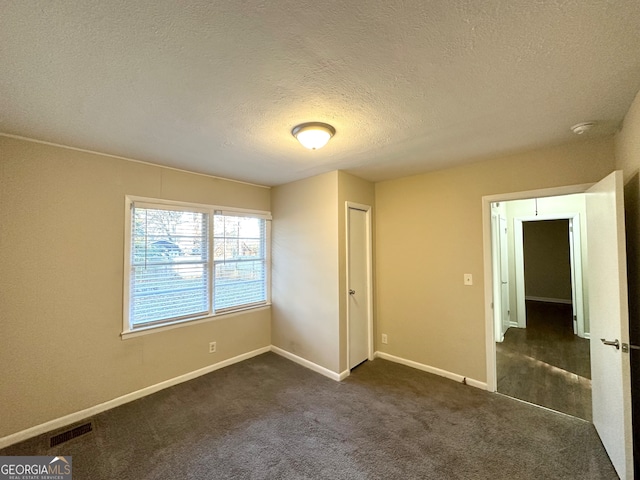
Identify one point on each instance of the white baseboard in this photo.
(116, 402)
(129, 397)
(310, 365)
(437, 371)
(549, 300)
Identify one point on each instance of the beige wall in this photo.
(627, 142)
(61, 257)
(304, 281)
(429, 233)
(356, 190)
(309, 267)
(627, 149)
(547, 266)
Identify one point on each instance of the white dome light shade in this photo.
(313, 135)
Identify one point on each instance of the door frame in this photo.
(492, 383)
(575, 252)
(369, 246)
(497, 259)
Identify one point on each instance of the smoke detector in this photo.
(583, 127)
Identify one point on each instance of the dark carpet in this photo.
(268, 418)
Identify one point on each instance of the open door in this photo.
(504, 275)
(500, 272)
(609, 313)
(495, 270)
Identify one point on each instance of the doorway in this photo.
(359, 284)
(576, 258)
(541, 359)
(607, 306)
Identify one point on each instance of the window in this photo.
(187, 262)
(239, 254)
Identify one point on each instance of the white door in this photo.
(500, 275)
(504, 275)
(358, 310)
(609, 313)
(572, 262)
(497, 286)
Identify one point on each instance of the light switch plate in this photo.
(468, 279)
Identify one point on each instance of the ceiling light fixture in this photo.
(313, 135)
(583, 127)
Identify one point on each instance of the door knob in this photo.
(352, 292)
(611, 343)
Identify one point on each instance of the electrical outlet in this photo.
(384, 338)
(212, 347)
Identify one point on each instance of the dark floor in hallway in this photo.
(546, 363)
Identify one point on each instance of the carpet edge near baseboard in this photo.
(143, 392)
(436, 371)
(310, 365)
(80, 415)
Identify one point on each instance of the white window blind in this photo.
(169, 265)
(239, 253)
(189, 261)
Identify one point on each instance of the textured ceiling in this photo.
(410, 86)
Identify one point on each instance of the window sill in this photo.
(192, 321)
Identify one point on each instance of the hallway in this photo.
(546, 363)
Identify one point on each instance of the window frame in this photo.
(128, 330)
